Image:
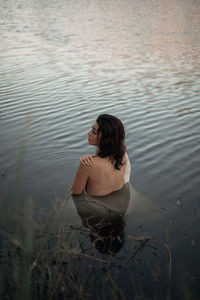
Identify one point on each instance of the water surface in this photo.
(63, 63)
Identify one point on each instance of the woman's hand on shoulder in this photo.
(87, 160)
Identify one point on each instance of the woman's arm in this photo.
(80, 180)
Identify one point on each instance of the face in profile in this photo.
(93, 135)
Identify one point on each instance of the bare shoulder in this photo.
(97, 161)
(80, 180)
(84, 168)
(100, 163)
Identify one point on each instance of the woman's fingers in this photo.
(87, 160)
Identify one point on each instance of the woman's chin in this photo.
(90, 143)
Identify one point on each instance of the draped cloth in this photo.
(127, 172)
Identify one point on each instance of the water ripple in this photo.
(64, 75)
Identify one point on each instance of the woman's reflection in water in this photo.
(104, 217)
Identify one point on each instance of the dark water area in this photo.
(62, 63)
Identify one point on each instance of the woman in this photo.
(104, 172)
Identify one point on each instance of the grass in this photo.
(37, 255)
(43, 257)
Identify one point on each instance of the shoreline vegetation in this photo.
(43, 256)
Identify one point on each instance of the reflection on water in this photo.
(104, 217)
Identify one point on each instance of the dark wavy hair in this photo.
(111, 141)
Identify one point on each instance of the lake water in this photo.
(62, 63)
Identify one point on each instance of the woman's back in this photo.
(104, 178)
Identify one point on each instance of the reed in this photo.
(41, 256)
